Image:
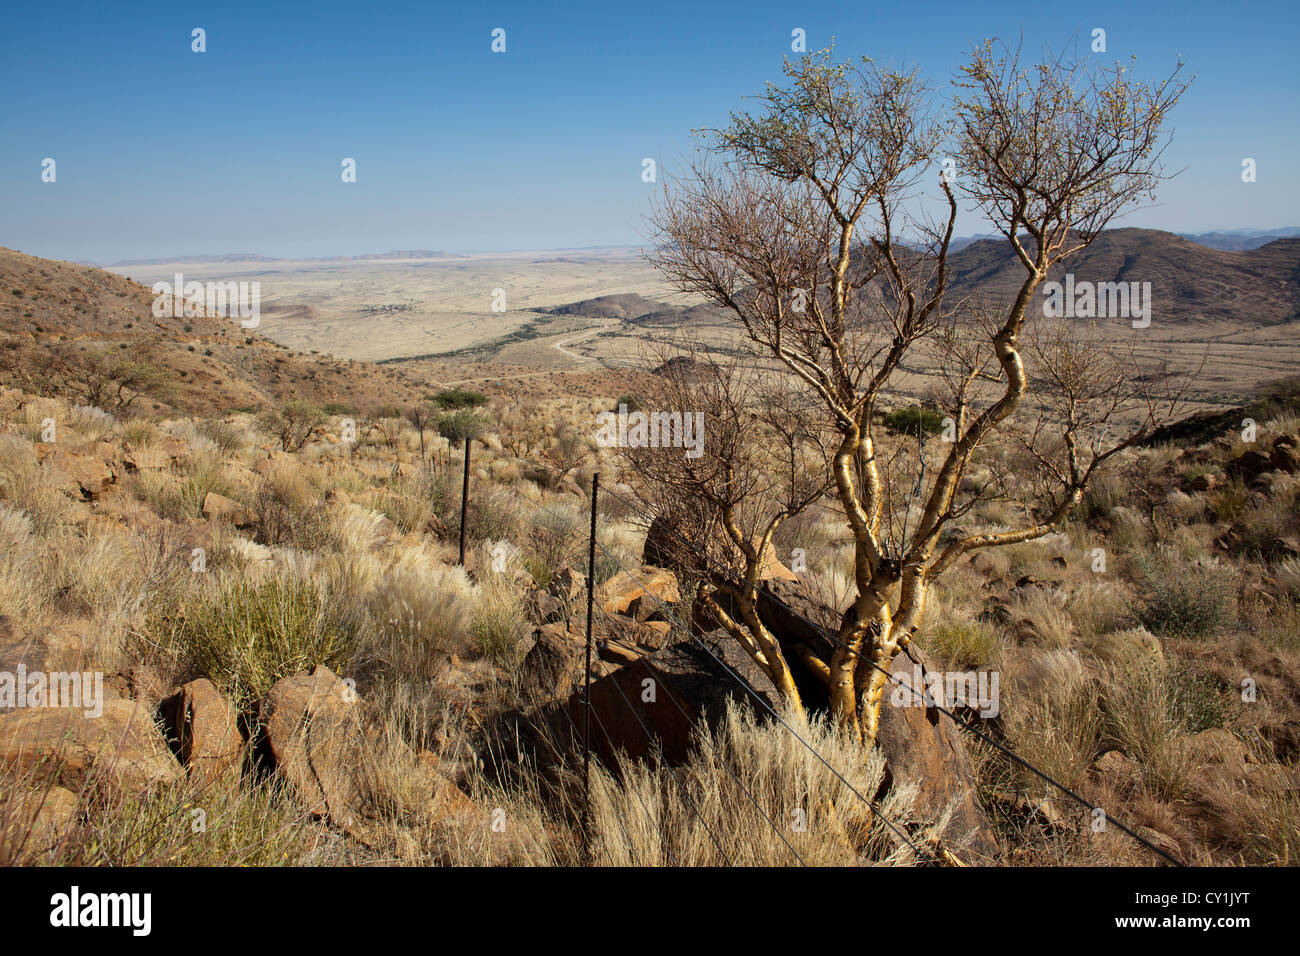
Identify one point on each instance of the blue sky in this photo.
(161, 151)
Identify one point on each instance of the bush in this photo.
(1138, 704)
(454, 398)
(963, 645)
(230, 438)
(251, 635)
(915, 421)
(1196, 702)
(286, 511)
(459, 425)
(294, 423)
(1184, 600)
(412, 621)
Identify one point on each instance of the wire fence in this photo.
(672, 616)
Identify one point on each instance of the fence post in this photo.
(586, 678)
(464, 501)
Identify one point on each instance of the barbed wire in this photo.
(926, 697)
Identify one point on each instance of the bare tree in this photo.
(802, 222)
(767, 462)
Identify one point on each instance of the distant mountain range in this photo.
(64, 325)
(1236, 240)
(1190, 282)
(254, 257)
(1230, 240)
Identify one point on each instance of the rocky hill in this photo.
(91, 336)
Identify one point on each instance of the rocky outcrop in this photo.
(923, 746)
(325, 742)
(203, 732)
(121, 748)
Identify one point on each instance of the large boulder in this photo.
(74, 473)
(923, 746)
(312, 730)
(1284, 456)
(220, 508)
(203, 731)
(121, 748)
(328, 746)
(650, 707)
(553, 667)
(640, 595)
(33, 821)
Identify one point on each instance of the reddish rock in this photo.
(202, 729)
(640, 594)
(121, 748)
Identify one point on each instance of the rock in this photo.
(689, 680)
(327, 745)
(774, 570)
(202, 731)
(639, 595)
(567, 586)
(1115, 766)
(1136, 645)
(148, 458)
(122, 748)
(619, 652)
(651, 634)
(174, 448)
(445, 798)
(1284, 457)
(667, 547)
(220, 508)
(1248, 466)
(337, 496)
(544, 607)
(73, 473)
(33, 821)
(794, 618)
(1163, 842)
(552, 670)
(143, 683)
(924, 747)
(311, 729)
(61, 647)
(1204, 482)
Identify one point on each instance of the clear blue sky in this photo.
(161, 151)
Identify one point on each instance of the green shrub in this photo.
(251, 635)
(459, 425)
(1196, 702)
(1183, 600)
(916, 420)
(962, 645)
(454, 398)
